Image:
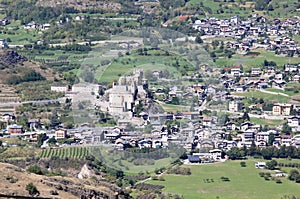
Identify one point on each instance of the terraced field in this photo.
(70, 152)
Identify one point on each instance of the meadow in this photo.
(267, 97)
(244, 182)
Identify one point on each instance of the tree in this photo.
(41, 138)
(271, 165)
(175, 101)
(286, 129)
(223, 119)
(32, 190)
(266, 153)
(198, 39)
(234, 153)
(252, 149)
(52, 140)
(294, 174)
(246, 117)
(35, 169)
(271, 139)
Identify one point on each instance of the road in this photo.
(39, 102)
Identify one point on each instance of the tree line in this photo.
(267, 153)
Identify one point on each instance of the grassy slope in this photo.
(244, 183)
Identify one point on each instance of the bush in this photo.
(35, 169)
(32, 190)
(180, 171)
(225, 179)
(243, 164)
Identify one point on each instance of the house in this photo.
(194, 159)
(245, 126)
(111, 136)
(282, 109)
(279, 76)
(286, 140)
(262, 136)
(255, 71)
(240, 89)
(7, 117)
(235, 106)
(3, 43)
(31, 136)
(236, 72)
(260, 165)
(230, 126)
(15, 129)
(248, 136)
(291, 68)
(45, 26)
(207, 121)
(293, 121)
(145, 144)
(296, 78)
(4, 22)
(31, 25)
(59, 88)
(60, 134)
(262, 85)
(215, 154)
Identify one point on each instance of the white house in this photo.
(260, 165)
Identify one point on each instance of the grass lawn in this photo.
(245, 182)
(174, 108)
(263, 122)
(265, 96)
(248, 61)
(290, 93)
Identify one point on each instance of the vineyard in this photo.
(70, 152)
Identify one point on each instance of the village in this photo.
(252, 33)
(205, 136)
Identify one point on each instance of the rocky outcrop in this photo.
(86, 172)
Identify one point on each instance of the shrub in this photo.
(35, 169)
(243, 164)
(32, 190)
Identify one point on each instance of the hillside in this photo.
(13, 182)
(82, 5)
(13, 64)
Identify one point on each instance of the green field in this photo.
(248, 62)
(245, 182)
(268, 122)
(265, 96)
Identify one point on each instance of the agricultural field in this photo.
(207, 181)
(69, 152)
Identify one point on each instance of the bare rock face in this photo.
(85, 172)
